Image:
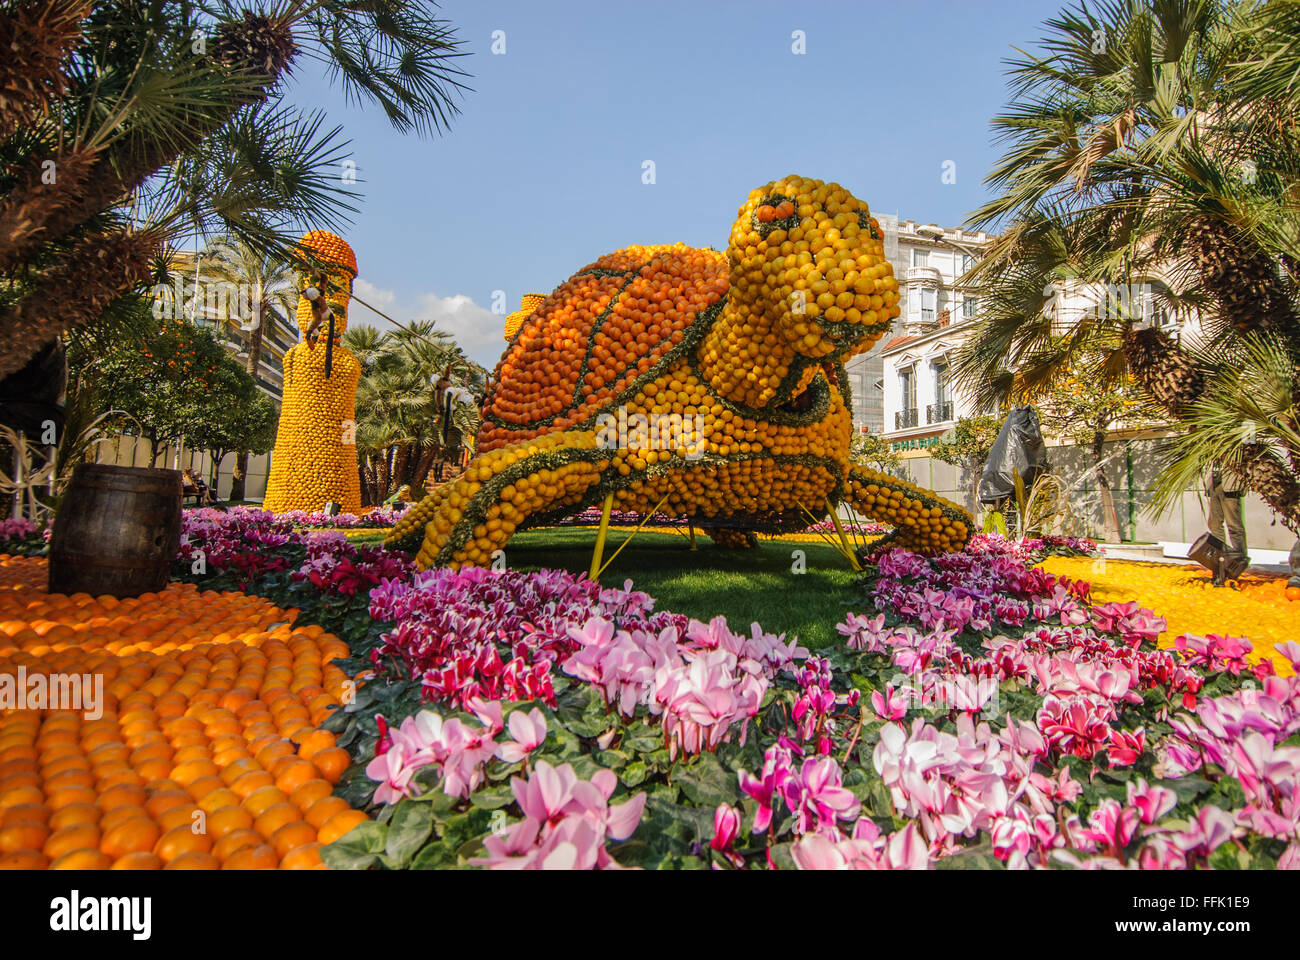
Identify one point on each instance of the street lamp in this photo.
(934, 232)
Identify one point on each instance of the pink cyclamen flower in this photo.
(887, 705)
(1151, 802)
(529, 733)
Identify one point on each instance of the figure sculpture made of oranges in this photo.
(315, 457)
(692, 382)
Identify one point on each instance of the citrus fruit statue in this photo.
(694, 383)
(314, 461)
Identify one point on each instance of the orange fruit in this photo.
(23, 835)
(236, 840)
(253, 857)
(237, 768)
(136, 835)
(305, 857)
(187, 816)
(275, 817)
(332, 763)
(200, 788)
(143, 860)
(309, 792)
(24, 811)
(339, 824)
(216, 799)
(194, 860)
(291, 836)
(181, 840)
(78, 836)
(315, 742)
(295, 774)
(188, 772)
(24, 860)
(74, 813)
(87, 858)
(163, 800)
(124, 793)
(251, 782)
(120, 815)
(226, 819)
(12, 797)
(264, 798)
(323, 809)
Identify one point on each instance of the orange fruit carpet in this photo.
(207, 752)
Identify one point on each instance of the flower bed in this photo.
(21, 537)
(1258, 609)
(989, 714)
(986, 712)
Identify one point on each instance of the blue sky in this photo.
(542, 171)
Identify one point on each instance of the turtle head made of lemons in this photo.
(807, 257)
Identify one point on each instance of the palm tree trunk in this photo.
(424, 465)
(1110, 518)
(75, 290)
(381, 491)
(36, 36)
(254, 48)
(401, 465)
(254, 358)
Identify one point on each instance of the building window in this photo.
(907, 390)
(920, 258)
(928, 300)
(967, 262)
(941, 410)
(968, 307)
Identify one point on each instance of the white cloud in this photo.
(478, 330)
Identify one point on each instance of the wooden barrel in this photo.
(117, 531)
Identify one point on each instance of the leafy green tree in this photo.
(179, 386)
(967, 446)
(1078, 406)
(874, 451)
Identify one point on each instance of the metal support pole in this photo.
(848, 551)
(600, 536)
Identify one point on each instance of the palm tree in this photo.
(273, 288)
(125, 126)
(1136, 146)
(399, 427)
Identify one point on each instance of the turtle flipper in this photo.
(922, 521)
(466, 520)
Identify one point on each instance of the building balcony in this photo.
(939, 412)
(904, 419)
(925, 274)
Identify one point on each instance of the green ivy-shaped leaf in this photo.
(410, 827)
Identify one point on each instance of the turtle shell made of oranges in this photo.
(597, 336)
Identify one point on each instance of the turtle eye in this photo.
(773, 212)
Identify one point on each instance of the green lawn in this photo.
(743, 585)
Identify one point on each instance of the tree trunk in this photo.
(1110, 519)
(401, 466)
(237, 479)
(381, 485)
(424, 465)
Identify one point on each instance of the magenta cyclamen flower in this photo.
(816, 796)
